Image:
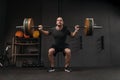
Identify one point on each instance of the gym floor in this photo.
(77, 74)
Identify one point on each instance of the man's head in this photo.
(59, 21)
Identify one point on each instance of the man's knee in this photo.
(51, 51)
(67, 51)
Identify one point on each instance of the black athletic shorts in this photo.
(59, 48)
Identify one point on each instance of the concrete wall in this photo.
(105, 13)
(3, 5)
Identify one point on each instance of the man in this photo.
(59, 33)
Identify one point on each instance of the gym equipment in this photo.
(36, 34)
(19, 34)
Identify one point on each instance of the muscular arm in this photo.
(45, 32)
(77, 27)
(73, 33)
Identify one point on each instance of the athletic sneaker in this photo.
(52, 69)
(67, 69)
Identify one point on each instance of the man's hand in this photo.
(40, 27)
(77, 27)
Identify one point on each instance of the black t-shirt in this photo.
(59, 36)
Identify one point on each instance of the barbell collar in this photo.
(97, 27)
(19, 26)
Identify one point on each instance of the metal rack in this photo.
(19, 46)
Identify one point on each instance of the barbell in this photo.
(89, 26)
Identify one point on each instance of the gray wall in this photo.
(105, 13)
(3, 5)
(114, 27)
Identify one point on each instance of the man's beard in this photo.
(59, 24)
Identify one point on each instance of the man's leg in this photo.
(51, 52)
(67, 52)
